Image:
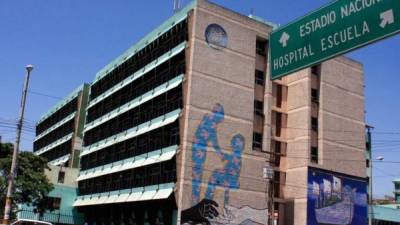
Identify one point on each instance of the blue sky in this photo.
(69, 41)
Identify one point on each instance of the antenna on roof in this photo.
(177, 5)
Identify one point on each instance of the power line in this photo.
(14, 121)
(14, 124)
(14, 127)
(325, 130)
(44, 95)
(384, 172)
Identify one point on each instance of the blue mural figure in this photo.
(227, 177)
(206, 133)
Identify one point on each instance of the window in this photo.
(139, 177)
(259, 77)
(174, 138)
(314, 155)
(257, 141)
(277, 145)
(279, 95)
(261, 47)
(168, 171)
(315, 70)
(153, 175)
(278, 124)
(127, 178)
(367, 163)
(258, 107)
(314, 95)
(314, 123)
(53, 203)
(152, 51)
(280, 177)
(61, 176)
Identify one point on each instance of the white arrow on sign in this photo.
(387, 17)
(284, 39)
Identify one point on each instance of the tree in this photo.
(31, 184)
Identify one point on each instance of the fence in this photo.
(52, 217)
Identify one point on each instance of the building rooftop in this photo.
(164, 27)
(160, 30)
(387, 212)
(392, 206)
(264, 21)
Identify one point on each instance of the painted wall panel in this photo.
(336, 199)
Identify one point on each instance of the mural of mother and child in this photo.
(205, 211)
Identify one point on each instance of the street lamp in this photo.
(11, 177)
(29, 68)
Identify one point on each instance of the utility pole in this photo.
(268, 174)
(379, 158)
(11, 177)
(369, 153)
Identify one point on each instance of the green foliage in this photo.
(31, 185)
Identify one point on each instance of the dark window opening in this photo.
(316, 70)
(155, 49)
(277, 160)
(154, 172)
(153, 140)
(260, 77)
(279, 179)
(314, 155)
(314, 95)
(278, 124)
(277, 149)
(258, 107)
(57, 116)
(261, 47)
(257, 141)
(53, 203)
(152, 79)
(58, 151)
(61, 177)
(279, 95)
(145, 112)
(161, 173)
(54, 135)
(314, 123)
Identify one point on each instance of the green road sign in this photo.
(335, 29)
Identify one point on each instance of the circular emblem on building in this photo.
(216, 36)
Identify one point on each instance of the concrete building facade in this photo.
(323, 128)
(59, 139)
(59, 131)
(180, 128)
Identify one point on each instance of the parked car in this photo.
(30, 222)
